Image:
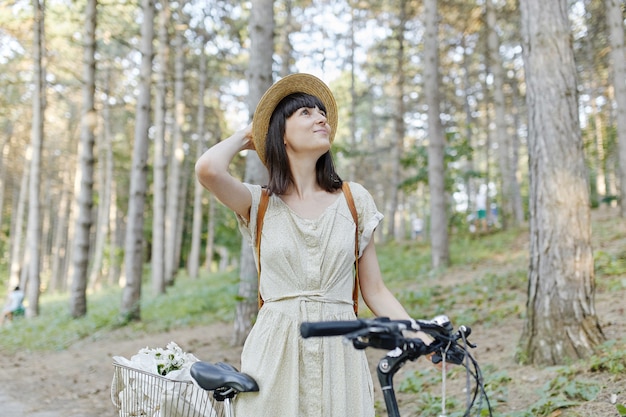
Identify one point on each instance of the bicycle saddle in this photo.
(222, 376)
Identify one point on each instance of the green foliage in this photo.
(610, 264)
(186, 303)
(610, 357)
(420, 380)
(563, 392)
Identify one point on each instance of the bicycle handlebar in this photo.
(439, 328)
(382, 333)
(331, 328)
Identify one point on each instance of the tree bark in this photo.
(440, 256)
(193, 261)
(105, 169)
(134, 241)
(4, 152)
(615, 21)
(508, 171)
(82, 238)
(561, 321)
(159, 161)
(394, 230)
(176, 159)
(33, 229)
(17, 227)
(261, 29)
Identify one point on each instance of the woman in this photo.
(307, 260)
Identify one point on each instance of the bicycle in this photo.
(448, 346)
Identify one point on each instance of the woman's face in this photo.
(307, 133)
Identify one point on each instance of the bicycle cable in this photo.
(443, 380)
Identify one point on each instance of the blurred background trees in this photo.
(432, 100)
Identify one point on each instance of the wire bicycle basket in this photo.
(137, 393)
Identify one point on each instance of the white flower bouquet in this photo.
(164, 361)
(156, 382)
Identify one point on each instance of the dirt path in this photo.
(76, 382)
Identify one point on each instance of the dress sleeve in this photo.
(247, 228)
(369, 216)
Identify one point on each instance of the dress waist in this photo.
(314, 296)
(310, 306)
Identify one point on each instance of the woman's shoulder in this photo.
(357, 189)
(255, 189)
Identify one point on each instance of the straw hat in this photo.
(294, 83)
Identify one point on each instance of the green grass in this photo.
(492, 288)
(187, 303)
(485, 297)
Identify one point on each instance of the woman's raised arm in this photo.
(212, 172)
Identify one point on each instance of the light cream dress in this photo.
(307, 274)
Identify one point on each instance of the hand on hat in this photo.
(246, 133)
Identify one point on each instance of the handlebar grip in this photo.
(330, 328)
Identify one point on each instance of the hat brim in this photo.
(294, 83)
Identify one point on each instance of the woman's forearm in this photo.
(213, 165)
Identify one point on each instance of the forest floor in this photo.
(76, 382)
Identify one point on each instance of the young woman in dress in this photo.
(307, 257)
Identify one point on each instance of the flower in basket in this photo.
(172, 358)
(142, 394)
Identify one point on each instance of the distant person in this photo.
(494, 215)
(13, 305)
(481, 209)
(417, 227)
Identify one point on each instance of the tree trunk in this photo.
(175, 161)
(105, 169)
(33, 231)
(518, 203)
(561, 321)
(17, 227)
(193, 261)
(440, 256)
(160, 164)
(212, 209)
(134, 241)
(117, 235)
(82, 238)
(615, 21)
(60, 244)
(261, 29)
(508, 171)
(181, 215)
(4, 152)
(394, 231)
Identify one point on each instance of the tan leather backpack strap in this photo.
(355, 292)
(265, 197)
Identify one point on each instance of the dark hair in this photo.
(276, 155)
